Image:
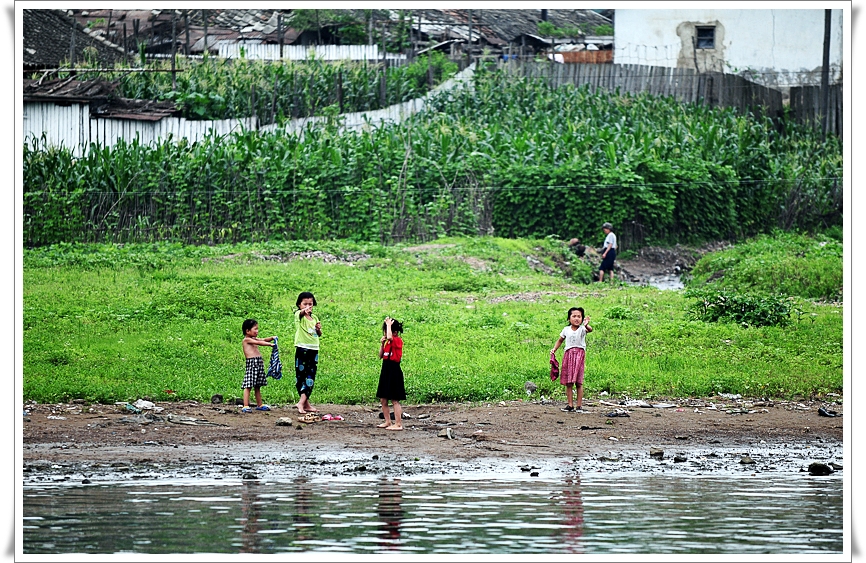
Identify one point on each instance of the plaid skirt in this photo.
(255, 373)
(572, 366)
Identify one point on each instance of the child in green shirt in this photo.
(308, 329)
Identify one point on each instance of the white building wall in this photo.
(787, 42)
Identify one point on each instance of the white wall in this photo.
(789, 42)
(302, 53)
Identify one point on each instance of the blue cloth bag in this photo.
(275, 369)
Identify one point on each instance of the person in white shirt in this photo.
(574, 356)
(608, 253)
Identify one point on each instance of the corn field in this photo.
(510, 156)
(276, 91)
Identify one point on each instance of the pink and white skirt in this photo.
(572, 366)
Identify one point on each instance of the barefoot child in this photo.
(254, 377)
(308, 329)
(391, 378)
(574, 336)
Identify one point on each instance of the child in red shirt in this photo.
(391, 378)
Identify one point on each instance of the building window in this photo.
(705, 37)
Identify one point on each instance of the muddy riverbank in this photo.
(78, 441)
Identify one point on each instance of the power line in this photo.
(260, 191)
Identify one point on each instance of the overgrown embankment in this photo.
(117, 322)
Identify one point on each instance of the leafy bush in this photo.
(724, 305)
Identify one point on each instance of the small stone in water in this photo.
(819, 469)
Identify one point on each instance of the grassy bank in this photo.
(108, 323)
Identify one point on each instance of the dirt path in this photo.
(65, 436)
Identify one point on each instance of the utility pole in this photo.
(280, 32)
(204, 19)
(469, 50)
(825, 75)
(186, 25)
(173, 50)
(72, 47)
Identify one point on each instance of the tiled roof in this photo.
(48, 39)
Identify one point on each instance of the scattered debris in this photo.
(618, 412)
(663, 405)
(636, 403)
(657, 453)
(190, 421)
(746, 460)
(285, 421)
(143, 405)
(530, 387)
(680, 458)
(216, 399)
(824, 412)
(446, 433)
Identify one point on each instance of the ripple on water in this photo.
(593, 513)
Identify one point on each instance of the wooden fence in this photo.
(806, 102)
(683, 84)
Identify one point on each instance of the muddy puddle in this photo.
(756, 500)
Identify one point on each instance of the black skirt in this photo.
(391, 382)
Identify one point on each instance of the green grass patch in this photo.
(786, 263)
(107, 323)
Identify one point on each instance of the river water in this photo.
(595, 513)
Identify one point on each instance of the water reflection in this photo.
(250, 538)
(390, 512)
(302, 515)
(573, 514)
(586, 514)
